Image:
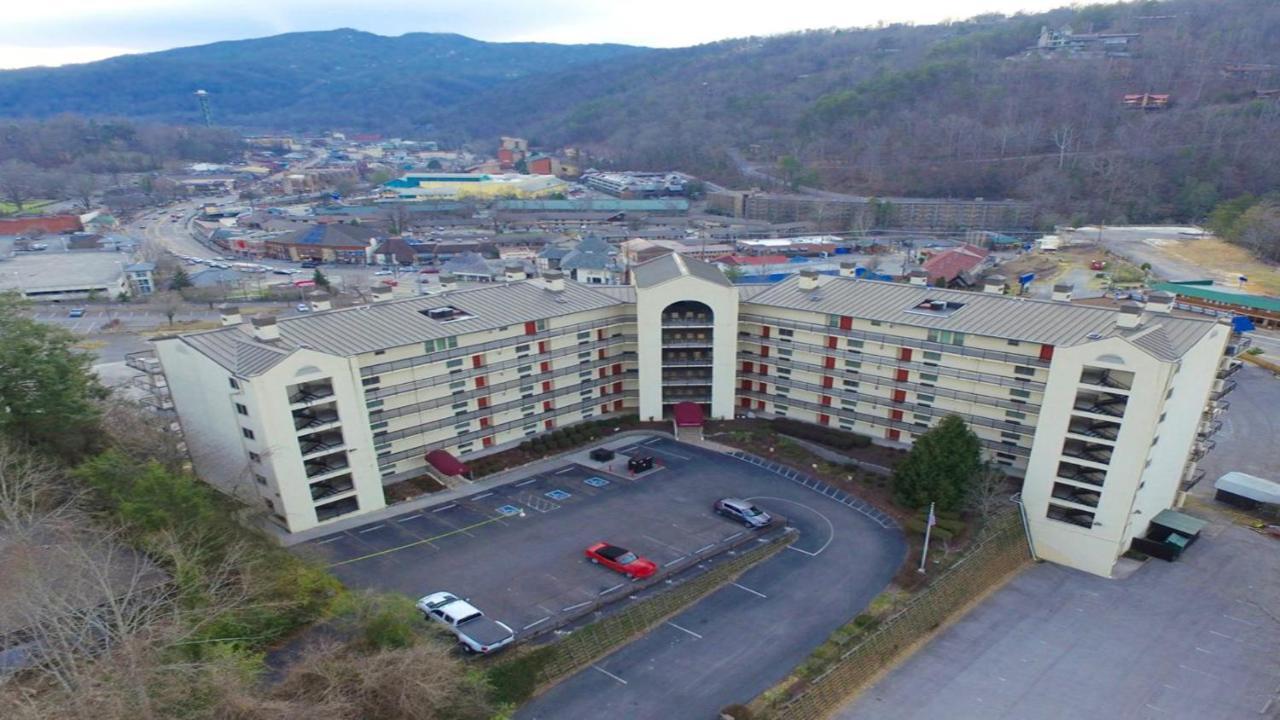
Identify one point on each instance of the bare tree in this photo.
(32, 490)
(18, 181)
(138, 431)
(169, 303)
(398, 219)
(988, 493)
(1063, 136)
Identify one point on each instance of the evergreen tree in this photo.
(320, 279)
(940, 468)
(179, 280)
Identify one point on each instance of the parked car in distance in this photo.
(476, 632)
(380, 273)
(302, 307)
(744, 512)
(621, 560)
(281, 272)
(76, 312)
(310, 264)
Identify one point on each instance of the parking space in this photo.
(517, 551)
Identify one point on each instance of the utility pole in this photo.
(928, 526)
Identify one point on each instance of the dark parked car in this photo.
(640, 464)
(310, 264)
(602, 454)
(744, 512)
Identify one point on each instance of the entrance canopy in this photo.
(446, 463)
(688, 414)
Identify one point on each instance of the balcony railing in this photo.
(1230, 369)
(333, 486)
(317, 469)
(695, 321)
(307, 394)
(312, 419)
(1104, 378)
(1238, 344)
(1111, 406)
(1081, 518)
(1209, 428)
(700, 360)
(1081, 474)
(1102, 431)
(311, 445)
(1100, 454)
(1075, 495)
(1222, 389)
(337, 508)
(683, 382)
(822, 329)
(144, 361)
(1191, 480)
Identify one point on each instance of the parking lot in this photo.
(96, 318)
(517, 552)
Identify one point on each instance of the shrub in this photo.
(736, 711)
(514, 681)
(389, 622)
(821, 434)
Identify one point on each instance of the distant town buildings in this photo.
(1065, 42)
(633, 185)
(455, 186)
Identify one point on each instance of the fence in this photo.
(1001, 551)
(515, 679)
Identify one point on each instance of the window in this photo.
(876, 323)
(1014, 414)
(1021, 370)
(373, 404)
(946, 337)
(240, 408)
(930, 355)
(380, 433)
(849, 403)
(853, 364)
(780, 409)
(786, 333)
(851, 384)
(584, 357)
(540, 325)
(584, 336)
(526, 391)
(524, 370)
(1019, 393)
(1010, 435)
(528, 410)
(234, 385)
(1162, 415)
(384, 453)
(460, 408)
(454, 365)
(1013, 343)
(261, 480)
(920, 397)
(270, 505)
(255, 457)
(854, 344)
(522, 350)
(530, 430)
(785, 352)
(918, 416)
(379, 352)
(1168, 394)
(781, 390)
(371, 380)
(378, 425)
(584, 375)
(784, 372)
(1006, 456)
(440, 344)
(833, 321)
(457, 386)
(247, 433)
(928, 378)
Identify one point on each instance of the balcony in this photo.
(1202, 448)
(1229, 368)
(1076, 495)
(1087, 451)
(1222, 388)
(1098, 429)
(1209, 428)
(1111, 379)
(1081, 474)
(326, 465)
(1079, 518)
(337, 508)
(687, 340)
(319, 443)
(1101, 403)
(1238, 344)
(315, 418)
(685, 359)
(305, 394)
(331, 487)
(675, 320)
(1191, 479)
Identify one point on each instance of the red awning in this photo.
(688, 414)
(446, 463)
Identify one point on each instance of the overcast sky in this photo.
(55, 32)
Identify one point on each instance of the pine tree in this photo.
(320, 279)
(179, 280)
(940, 468)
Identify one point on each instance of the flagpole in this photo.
(928, 526)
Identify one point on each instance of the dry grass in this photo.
(1225, 262)
(180, 326)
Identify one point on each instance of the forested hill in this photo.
(951, 110)
(960, 109)
(297, 81)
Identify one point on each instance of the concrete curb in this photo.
(821, 488)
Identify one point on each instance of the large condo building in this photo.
(1099, 410)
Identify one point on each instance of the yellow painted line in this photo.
(418, 542)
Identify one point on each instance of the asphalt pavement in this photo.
(748, 635)
(1250, 426)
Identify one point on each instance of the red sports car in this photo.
(621, 560)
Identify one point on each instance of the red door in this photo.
(617, 405)
(481, 381)
(604, 408)
(899, 396)
(617, 369)
(826, 400)
(531, 328)
(477, 361)
(601, 355)
(764, 331)
(599, 333)
(744, 402)
(484, 423)
(829, 363)
(904, 354)
(824, 419)
(759, 404)
(831, 342)
(547, 406)
(747, 366)
(543, 346)
(482, 402)
(846, 323)
(901, 375)
(549, 423)
(617, 387)
(828, 381)
(892, 434)
(1046, 352)
(546, 366)
(895, 414)
(604, 372)
(764, 351)
(487, 441)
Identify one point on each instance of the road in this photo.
(746, 636)
(1138, 245)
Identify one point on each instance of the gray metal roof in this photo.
(674, 265)
(365, 328)
(1041, 321)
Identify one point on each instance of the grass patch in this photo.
(8, 208)
(1225, 262)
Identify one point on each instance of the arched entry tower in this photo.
(687, 319)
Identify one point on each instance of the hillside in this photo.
(960, 109)
(953, 110)
(297, 81)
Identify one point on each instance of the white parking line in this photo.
(704, 548)
(450, 506)
(335, 538)
(575, 607)
(411, 517)
(536, 623)
(673, 562)
(566, 470)
(684, 630)
(371, 529)
(830, 527)
(606, 672)
(753, 592)
(482, 496)
(606, 591)
(522, 483)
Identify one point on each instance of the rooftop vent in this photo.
(446, 313)
(935, 308)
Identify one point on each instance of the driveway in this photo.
(1190, 640)
(746, 636)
